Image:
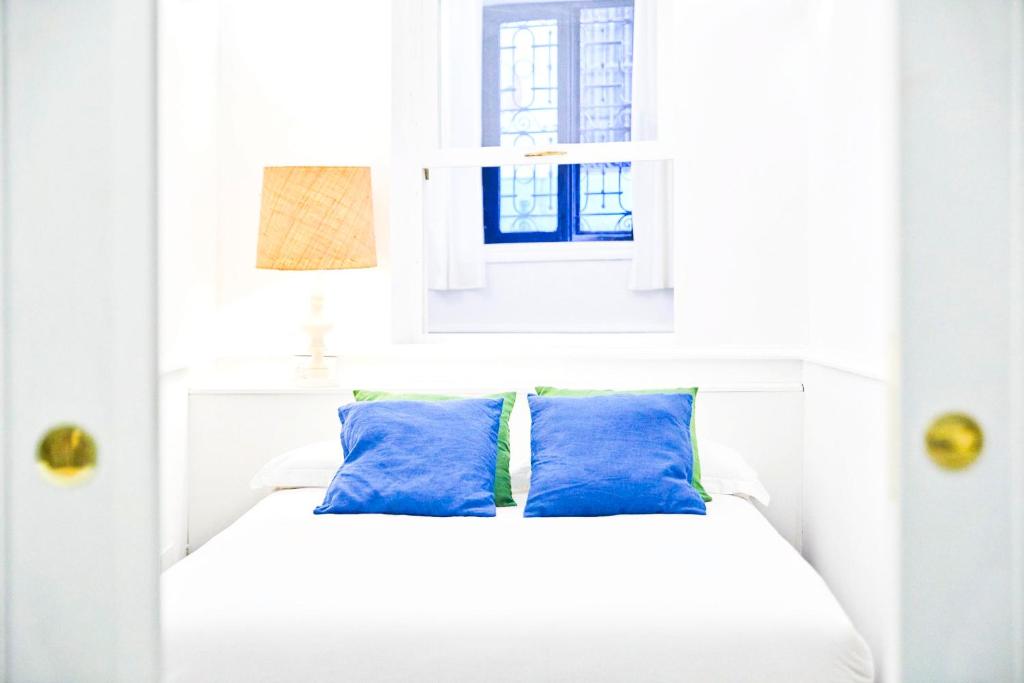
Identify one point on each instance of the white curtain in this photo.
(652, 180)
(453, 197)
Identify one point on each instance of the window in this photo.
(557, 72)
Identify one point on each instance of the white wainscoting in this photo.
(236, 427)
(850, 507)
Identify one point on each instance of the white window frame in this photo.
(532, 252)
(416, 129)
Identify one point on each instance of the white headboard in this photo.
(234, 431)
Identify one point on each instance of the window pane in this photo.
(557, 71)
(606, 198)
(529, 199)
(528, 68)
(529, 116)
(606, 73)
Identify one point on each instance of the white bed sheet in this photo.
(283, 595)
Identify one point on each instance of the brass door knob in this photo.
(954, 441)
(66, 455)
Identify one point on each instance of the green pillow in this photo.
(502, 478)
(692, 391)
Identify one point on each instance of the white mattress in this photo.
(283, 595)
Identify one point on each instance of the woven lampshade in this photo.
(316, 218)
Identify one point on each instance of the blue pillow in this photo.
(417, 458)
(611, 455)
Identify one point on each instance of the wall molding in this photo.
(850, 368)
(732, 388)
(585, 346)
(274, 375)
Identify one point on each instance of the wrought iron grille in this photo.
(557, 72)
(529, 116)
(606, 84)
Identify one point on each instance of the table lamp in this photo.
(316, 218)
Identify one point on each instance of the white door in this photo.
(79, 321)
(962, 315)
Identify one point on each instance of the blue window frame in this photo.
(557, 72)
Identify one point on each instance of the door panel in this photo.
(80, 320)
(960, 309)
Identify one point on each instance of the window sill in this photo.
(558, 251)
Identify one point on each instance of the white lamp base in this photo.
(315, 368)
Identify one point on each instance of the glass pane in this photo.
(529, 199)
(528, 68)
(606, 198)
(538, 92)
(606, 74)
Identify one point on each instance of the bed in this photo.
(283, 595)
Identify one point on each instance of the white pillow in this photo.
(314, 465)
(520, 479)
(724, 471)
(311, 466)
(519, 443)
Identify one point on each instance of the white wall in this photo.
(742, 120)
(849, 505)
(302, 83)
(742, 215)
(187, 216)
(305, 83)
(851, 172)
(849, 510)
(188, 85)
(552, 296)
(286, 97)
(784, 220)
(243, 85)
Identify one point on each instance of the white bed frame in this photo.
(234, 430)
